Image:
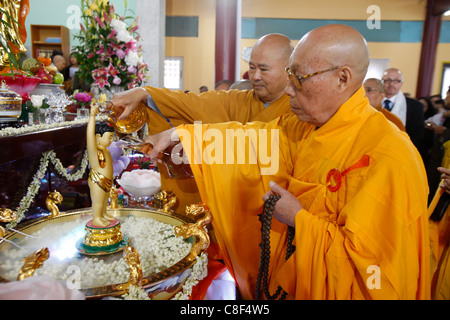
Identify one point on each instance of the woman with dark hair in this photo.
(429, 109)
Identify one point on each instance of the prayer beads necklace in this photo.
(263, 274)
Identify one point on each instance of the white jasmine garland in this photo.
(35, 184)
(47, 156)
(199, 272)
(39, 127)
(136, 293)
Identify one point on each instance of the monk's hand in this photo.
(129, 100)
(445, 176)
(287, 207)
(160, 142)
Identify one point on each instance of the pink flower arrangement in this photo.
(82, 98)
(109, 53)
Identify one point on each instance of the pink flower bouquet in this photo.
(108, 52)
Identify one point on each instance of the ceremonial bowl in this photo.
(164, 272)
(22, 84)
(140, 183)
(10, 103)
(134, 122)
(46, 89)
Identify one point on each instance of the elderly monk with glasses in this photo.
(349, 198)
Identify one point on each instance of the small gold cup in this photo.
(133, 123)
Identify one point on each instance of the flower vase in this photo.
(42, 115)
(54, 115)
(82, 112)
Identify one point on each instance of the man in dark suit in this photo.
(409, 110)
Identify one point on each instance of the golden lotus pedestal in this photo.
(102, 240)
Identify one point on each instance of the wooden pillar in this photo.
(430, 39)
(225, 49)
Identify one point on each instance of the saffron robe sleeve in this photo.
(178, 108)
(363, 229)
(210, 107)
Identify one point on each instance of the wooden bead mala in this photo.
(263, 274)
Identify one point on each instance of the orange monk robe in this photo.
(393, 118)
(367, 238)
(440, 252)
(209, 107)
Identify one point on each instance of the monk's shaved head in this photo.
(335, 45)
(276, 42)
(342, 53)
(269, 57)
(59, 62)
(376, 84)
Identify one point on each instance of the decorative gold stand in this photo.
(6, 215)
(196, 229)
(32, 262)
(165, 201)
(51, 202)
(100, 241)
(131, 257)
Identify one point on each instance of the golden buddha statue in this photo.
(103, 235)
(98, 137)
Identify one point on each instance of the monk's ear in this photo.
(344, 77)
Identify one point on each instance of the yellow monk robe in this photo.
(209, 107)
(440, 255)
(366, 238)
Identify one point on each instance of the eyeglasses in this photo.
(296, 81)
(369, 89)
(391, 81)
